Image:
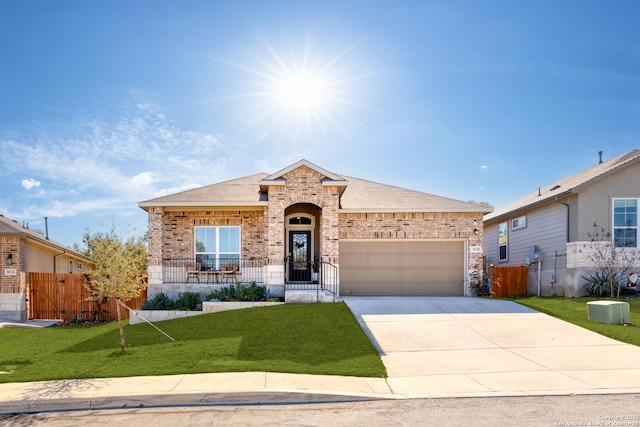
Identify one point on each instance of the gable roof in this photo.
(571, 184)
(243, 191)
(362, 196)
(358, 195)
(9, 227)
(280, 174)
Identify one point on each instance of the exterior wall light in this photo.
(9, 259)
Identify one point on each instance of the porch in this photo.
(303, 281)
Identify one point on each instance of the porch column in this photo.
(156, 232)
(329, 226)
(274, 270)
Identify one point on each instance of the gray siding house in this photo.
(551, 229)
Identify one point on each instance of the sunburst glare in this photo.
(300, 92)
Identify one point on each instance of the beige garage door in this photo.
(426, 268)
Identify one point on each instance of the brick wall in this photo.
(416, 225)
(16, 247)
(303, 185)
(171, 234)
(263, 231)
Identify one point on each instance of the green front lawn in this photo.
(574, 310)
(294, 338)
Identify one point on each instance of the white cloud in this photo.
(96, 164)
(30, 183)
(143, 179)
(484, 167)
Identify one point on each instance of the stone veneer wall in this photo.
(579, 266)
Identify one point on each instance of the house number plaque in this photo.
(10, 272)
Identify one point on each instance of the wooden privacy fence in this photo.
(508, 281)
(68, 297)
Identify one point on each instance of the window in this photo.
(300, 220)
(217, 246)
(518, 223)
(502, 241)
(70, 266)
(625, 223)
(78, 265)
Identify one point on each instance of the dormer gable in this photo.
(326, 178)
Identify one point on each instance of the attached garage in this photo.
(402, 267)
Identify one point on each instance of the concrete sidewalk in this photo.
(431, 347)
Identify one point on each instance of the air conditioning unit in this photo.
(612, 312)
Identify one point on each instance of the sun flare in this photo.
(299, 91)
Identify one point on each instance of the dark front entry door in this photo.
(300, 249)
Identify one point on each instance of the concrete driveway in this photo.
(461, 346)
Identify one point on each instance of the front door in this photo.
(300, 251)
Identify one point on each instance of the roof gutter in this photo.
(524, 208)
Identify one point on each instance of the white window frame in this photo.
(218, 254)
(624, 227)
(503, 241)
(519, 222)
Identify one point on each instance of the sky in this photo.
(106, 103)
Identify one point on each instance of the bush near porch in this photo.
(322, 339)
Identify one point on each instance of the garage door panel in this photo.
(434, 268)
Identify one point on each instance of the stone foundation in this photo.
(13, 306)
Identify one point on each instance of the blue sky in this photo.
(107, 103)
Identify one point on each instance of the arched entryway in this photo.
(302, 242)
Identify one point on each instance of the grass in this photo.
(574, 310)
(294, 338)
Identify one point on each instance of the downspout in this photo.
(539, 278)
(555, 272)
(568, 216)
(54, 260)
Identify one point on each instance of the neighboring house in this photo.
(304, 227)
(23, 251)
(551, 230)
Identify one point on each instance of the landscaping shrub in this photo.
(159, 302)
(239, 292)
(598, 284)
(189, 301)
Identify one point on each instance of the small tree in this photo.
(121, 268)
(611, 260)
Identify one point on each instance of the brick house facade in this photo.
(330, 220)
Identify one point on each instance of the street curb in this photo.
(160, 400)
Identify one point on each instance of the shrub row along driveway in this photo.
(444, 346)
